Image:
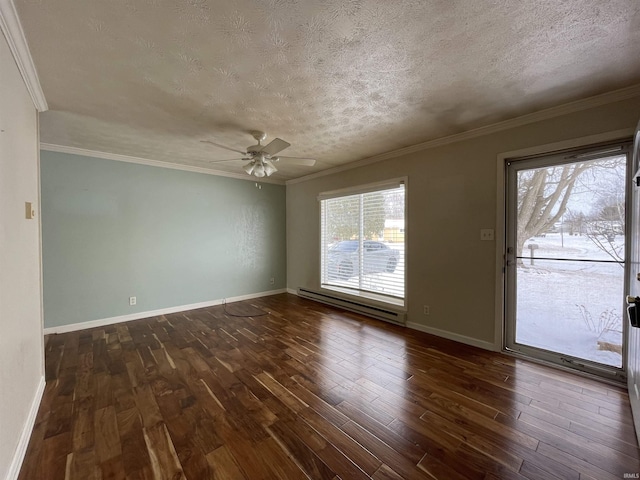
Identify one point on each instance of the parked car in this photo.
(344, 259)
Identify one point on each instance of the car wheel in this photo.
(391, 265)
(345, 270)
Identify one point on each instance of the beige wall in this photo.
(21, 349)
(452, 194)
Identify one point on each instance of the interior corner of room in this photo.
(92, 237)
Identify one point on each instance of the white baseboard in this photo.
(441, 333)
(154, 313)
(25, 436)
(474, 342)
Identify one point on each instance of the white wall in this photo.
(21, 344)
(452, 194)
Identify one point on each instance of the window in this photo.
(363, 241)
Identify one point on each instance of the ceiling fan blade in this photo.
(276, 145)
(222, 146)
(230, 160)
(308, 162)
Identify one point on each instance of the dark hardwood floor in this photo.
(313, 392)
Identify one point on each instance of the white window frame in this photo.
(356, 190)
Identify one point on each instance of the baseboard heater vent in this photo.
(381, 313)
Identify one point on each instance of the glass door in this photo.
(566, 258)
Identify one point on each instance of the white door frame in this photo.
(501, 220)
(633, 337)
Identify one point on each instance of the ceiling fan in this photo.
(262, 157)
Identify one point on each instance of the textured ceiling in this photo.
(341, 80)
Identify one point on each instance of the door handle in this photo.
(632, 310)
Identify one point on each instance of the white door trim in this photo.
(501, 209)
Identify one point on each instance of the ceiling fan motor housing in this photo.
(260, 137)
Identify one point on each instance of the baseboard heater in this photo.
(380, 313)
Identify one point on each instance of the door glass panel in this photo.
(572, 308)
(569, 258)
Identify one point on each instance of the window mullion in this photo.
(361, 243)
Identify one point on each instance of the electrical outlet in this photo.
(425, 309)
(272, 281)
(132, 300)
(486, 234)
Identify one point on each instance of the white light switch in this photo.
(486, 234)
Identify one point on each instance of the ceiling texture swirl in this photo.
(341, 80)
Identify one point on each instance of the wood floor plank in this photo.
(478, 439)
(306, 457)
(606, 437)
(352, 449)
(436, 469)
(53, 459)
(596, 454)
(107, 438)
(381, 431)
(326, 451)
(281, 464)
(529, 470)
(54, 351)
(112, 469)
(475, 422)
(309, 391)
(581, 466)
(223, 466)
(135, 455)
(147, 405)
(404, 467)
(164, 460)
(82, 465)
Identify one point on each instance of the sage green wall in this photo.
(452, 194)
(111, 230)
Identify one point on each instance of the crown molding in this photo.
(12, 29)
(153, 163)
(549, 113)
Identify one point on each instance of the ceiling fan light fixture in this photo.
(269, 168)
(249, 167)
(259, 171)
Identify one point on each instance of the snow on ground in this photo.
(556, 298)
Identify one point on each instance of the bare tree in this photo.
(344, 216)
(543, 195)
(374, 208)
(575, 222)
(394, 205)
(606, 225)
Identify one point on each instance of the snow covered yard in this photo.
(563, 306)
